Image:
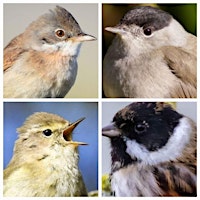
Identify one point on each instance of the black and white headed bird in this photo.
(153, 151)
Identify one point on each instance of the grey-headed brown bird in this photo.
(153, 151)
(45, 160)
(152, 56)
(42, 61)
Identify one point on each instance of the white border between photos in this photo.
(99, 99)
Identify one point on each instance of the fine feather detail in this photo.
(170, 152)
(12, 52)
(168, 169)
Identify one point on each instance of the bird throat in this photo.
(119, 157)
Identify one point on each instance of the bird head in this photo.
(56, 31)
(152, 133)
(44, 134)
(148, 28)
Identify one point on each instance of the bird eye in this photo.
(147, 31)
(60, 33)
(140, 128)
(47, 132)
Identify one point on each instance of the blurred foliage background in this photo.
(112, 13)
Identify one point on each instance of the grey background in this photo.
(109, 109)
(18, 16)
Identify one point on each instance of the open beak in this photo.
(67, 133)
(110, 131)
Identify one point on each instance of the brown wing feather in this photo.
(176, 180)
(11, 52)
(184, 90)
(185, 70)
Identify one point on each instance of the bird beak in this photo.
(116, 30)
(67, 133)
(111, 131)
(84, 37)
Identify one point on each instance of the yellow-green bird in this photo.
(45, 159)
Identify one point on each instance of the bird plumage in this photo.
(153, 151)
(160, 63)
(42, 61)
(45, 160)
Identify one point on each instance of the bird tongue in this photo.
(67, 133)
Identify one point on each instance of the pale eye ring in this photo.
(60, 33)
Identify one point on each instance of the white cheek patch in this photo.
(171, 151)
(67, 48)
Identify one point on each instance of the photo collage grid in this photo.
(99, 99)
